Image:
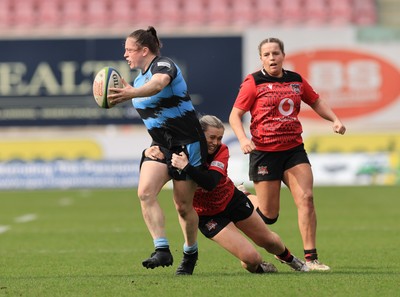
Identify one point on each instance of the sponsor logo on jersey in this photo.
(286, 107)
(163, 64)
(217, 164)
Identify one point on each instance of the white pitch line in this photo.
(26, 218)
(65, 201)
(4, 229)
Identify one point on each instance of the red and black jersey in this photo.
(274, 105)
(208, 203)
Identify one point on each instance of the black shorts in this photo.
(266, 166)
(192, 149)
(238, 209)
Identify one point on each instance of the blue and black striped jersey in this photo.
(169, 115)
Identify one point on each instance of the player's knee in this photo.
(146, 196)
(310, 199)
(306, 202)
(183, 209)
(143, 196)
(267, 220)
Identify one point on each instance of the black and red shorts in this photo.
(265, 166)
(238, 209)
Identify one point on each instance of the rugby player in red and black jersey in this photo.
(273, 97)
(224, 210)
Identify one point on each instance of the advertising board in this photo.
(49, 81)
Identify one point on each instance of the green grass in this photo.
(92, 242)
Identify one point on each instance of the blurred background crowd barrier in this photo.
(53, 135)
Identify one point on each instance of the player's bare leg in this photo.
(189, 221)
(268, 197)
(153, 176)
(299, 179)
(231, 239)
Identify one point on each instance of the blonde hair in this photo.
(211, 121)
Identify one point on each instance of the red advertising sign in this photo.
(354, 83)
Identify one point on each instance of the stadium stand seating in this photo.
(364, 12)
(193, 13)
(316, 12)
(170, 13)
(146, 12)
(5, 14)
(100, 14)
(73, 13)
(243, 12)
(267, 12)
(24, 13)
(122, 13)
(340, 12)
(49, 13)
(219, 13)
(292, 12)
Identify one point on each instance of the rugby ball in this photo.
(106, 78)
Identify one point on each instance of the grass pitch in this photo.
(92, 242)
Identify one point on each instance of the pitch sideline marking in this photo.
(21, 219)
(4, 229)
(26, 218)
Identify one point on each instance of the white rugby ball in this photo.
(106, 78)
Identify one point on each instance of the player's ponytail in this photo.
(153, 32)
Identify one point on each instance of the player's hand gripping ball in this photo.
(106, 78)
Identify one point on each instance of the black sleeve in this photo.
(207, 179)
(166, 66)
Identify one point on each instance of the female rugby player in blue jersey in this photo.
(160, 96)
